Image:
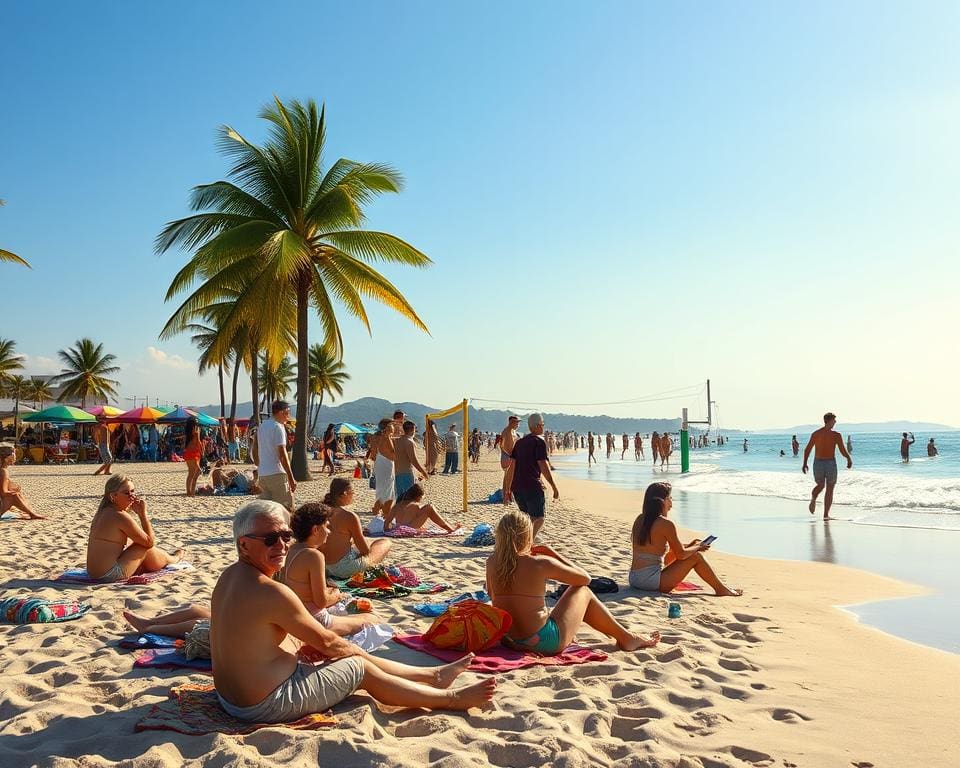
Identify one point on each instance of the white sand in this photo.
(776, 678)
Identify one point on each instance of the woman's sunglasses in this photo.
(271, 539)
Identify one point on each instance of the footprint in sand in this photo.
(672, 655)
(737, 665)
(747, 618)
(422, 726)
(630, 729)
(752, 756)
(789, 715)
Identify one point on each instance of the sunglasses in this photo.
(271, 539)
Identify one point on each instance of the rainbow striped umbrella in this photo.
(142, 415)
(182, 414)
(104, 410)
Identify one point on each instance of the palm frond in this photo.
(376, 246)
(10, 256)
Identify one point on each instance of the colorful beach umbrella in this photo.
(142, 415)
(105, 410)
(182, 414)
(61, 414)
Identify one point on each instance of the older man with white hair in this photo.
(260, 671)
(522, 480)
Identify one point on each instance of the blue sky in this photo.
(619, 198)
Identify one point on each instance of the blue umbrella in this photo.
(183, 414)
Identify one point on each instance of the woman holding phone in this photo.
(660, 561)
(122, 544)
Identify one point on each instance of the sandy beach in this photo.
(779, 677)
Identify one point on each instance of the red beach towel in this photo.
(501, 659)
(686, 586)
(195, 710)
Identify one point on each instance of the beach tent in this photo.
(183, 414)
(142, 415)
(61, 414)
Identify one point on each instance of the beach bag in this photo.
(196, 643)
(469, 626)
(496, 497)
(482, 536)
(599, 586)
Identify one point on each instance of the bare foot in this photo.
(637, 642)
(727, 592)
(177, 555)
(35, 516)
(137, 622)
(813, 505)
(475, 695)
(445, 675)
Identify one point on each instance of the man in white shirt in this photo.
(273, 464)
(452, 443)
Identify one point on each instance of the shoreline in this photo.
(781, 529)
(775, 678)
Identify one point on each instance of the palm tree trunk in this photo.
(299, 465)
(255, 386)
(233, 391)
(223, 400)
(16, 421)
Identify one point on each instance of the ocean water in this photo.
(879, 490)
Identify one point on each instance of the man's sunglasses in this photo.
(271, 539)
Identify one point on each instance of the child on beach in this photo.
(346, 551)
(517, 574)
(11, 494)
(653, 534)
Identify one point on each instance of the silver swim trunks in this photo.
(825, 470)
(347, 565)
(646, 578)
(311, 688)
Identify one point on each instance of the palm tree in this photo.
(204, 337)
(277, 377)
(9, 360)
(17, 388)
(8, 256)
(39, 391)
(85, 373)
(295, 231)
(326, 376)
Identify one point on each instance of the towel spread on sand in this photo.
(686, 586)
(406, 532)
(438, 609)
(79, 575)
(195, 710)
(501, 659)
(149, 640)
(36, 610)
(170, 658)
(384, 583)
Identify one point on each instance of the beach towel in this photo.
(406, 532)
(383, 583)
(501, 659)
(170, 658)
(79, 575)
(469, 626)
(482, 536)
(36, 610)
(147, 640)
(195, 710)
(496, 497)
(686, 586)
(435, 609)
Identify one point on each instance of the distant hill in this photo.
(864, 428)
(372, 409)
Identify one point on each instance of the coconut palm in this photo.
(17, 388)
(204, 337)
(8, 256)
(9, 360)
(277, 377)
(39, 391)
(327, 376)
(294, 231)
(85, 373)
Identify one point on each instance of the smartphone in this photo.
(709, 540)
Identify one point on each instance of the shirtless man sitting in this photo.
(259, 672)
(825, 441)
(508, 439)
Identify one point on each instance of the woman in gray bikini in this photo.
(654, 569)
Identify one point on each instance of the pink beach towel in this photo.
(687, 586)
(406, 532)
(171, 658)
(501, 659)
(196, 710)
(79, 575)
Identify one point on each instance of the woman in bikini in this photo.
(346, 551)
(120, 546)
(304, 571)
(517, 574)
(411, 512)
(192, 451)
(11, 494)
(383, 454)
(654, 568)
(329, 449)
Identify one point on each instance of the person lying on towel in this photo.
(259, 677)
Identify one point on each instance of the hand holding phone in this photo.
(708, 541)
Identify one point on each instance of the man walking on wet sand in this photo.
(825, 441)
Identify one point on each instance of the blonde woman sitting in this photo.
(121, 545)
(304, 571)
(413, 513)
(346, 550)
(11, 494)
(517, 574)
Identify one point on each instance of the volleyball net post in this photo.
(684, 443)
(464, 438)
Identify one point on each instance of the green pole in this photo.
(684, 444)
